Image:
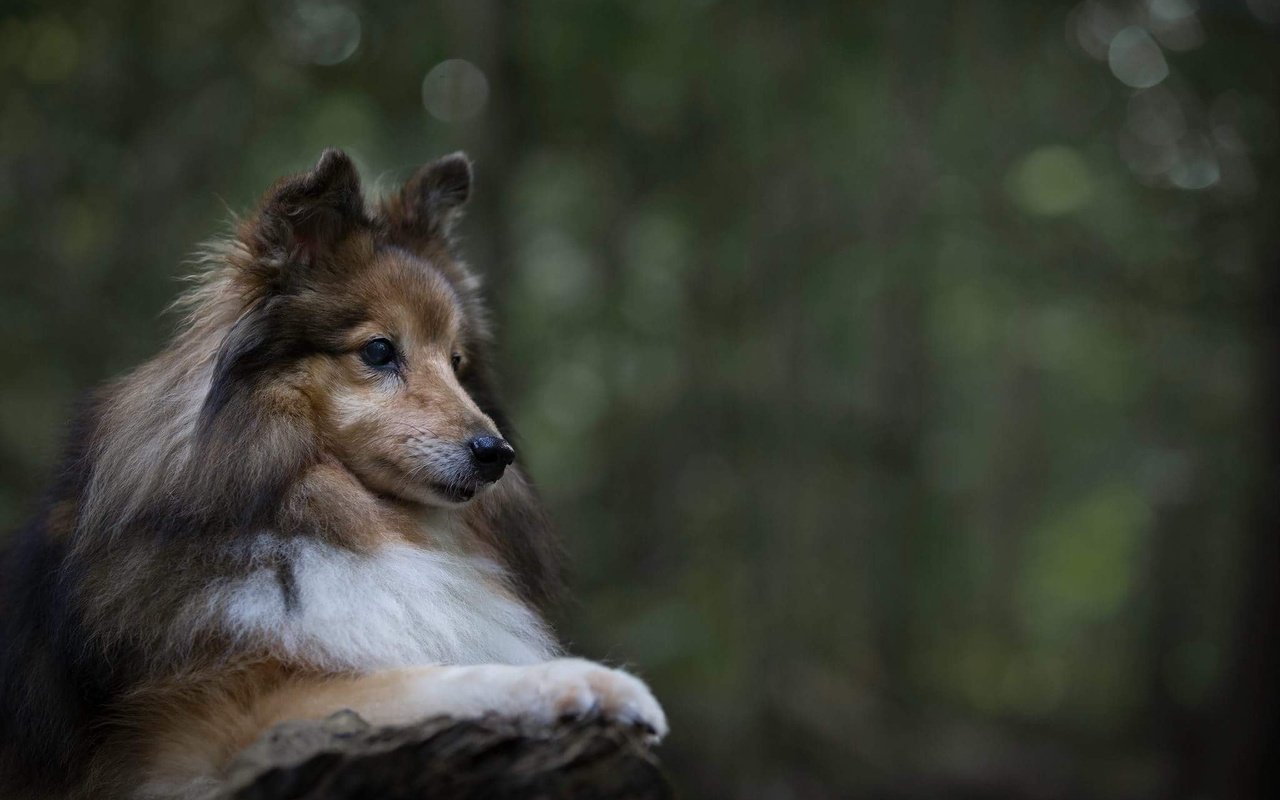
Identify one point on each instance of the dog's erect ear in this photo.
(304, 216)
(431, 201)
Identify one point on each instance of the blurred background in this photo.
(902, 376)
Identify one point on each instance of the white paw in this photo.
(575, 688)
(544, 693)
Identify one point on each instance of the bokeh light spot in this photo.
(1081, 560)
(1172, 10)
(1197, 165)
(1092, 26)
(1051, 181)
(573, 397)
(1136, 60)
(53, 52)
(1175, 25)
(324, 32)
(455, 90)
(558, 271)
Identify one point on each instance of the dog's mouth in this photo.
(455, 493)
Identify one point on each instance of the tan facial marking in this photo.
(404, 428)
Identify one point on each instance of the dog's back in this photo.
(53, 687)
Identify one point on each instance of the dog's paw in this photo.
(573, 688)
(566, 688)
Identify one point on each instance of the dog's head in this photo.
(362, 327)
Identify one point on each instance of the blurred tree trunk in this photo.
(1247, 734)
(1249, 724)
(902, 374)
(1176, 553)
(1013, 491)
(483, 34)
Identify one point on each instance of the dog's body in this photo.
(304, 504)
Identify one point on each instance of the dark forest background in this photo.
(902, 375)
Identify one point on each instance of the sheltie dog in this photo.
(308, 502)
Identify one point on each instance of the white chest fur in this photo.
(401, 605)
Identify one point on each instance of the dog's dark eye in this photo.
(456, 361)
(378, 353)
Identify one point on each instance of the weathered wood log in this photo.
(345, 758)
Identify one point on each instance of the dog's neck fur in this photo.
(400, 605)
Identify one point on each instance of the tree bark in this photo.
(345, 758)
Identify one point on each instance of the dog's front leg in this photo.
(545, 692)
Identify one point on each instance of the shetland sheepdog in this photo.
(308, 502)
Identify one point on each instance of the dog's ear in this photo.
(304, 216)
(431, 201)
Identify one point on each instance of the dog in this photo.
(308, 502)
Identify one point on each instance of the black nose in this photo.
(491, 455)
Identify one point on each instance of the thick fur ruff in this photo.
(285, 513)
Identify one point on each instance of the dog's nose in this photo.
(491, 455)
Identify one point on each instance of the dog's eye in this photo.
(456, 361)
(378, 353)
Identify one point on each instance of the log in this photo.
(346, 758)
